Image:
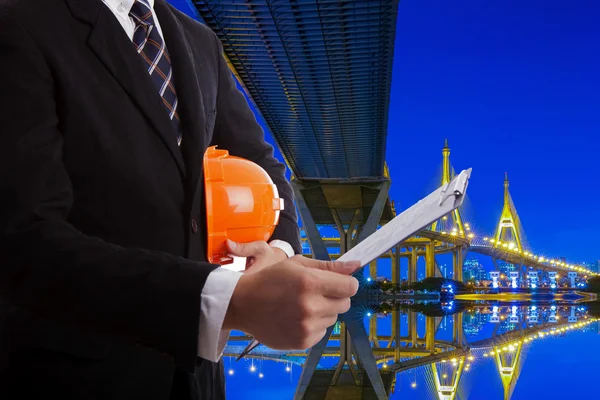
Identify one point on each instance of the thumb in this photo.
(252, 249)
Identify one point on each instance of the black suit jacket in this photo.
(101, 270)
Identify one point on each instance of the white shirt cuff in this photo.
(283, 245)
(215, 298)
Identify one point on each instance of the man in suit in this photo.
(107, 107)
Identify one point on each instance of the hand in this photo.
(258, 254)
(290, 305)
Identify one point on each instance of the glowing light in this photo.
(231, 372)
(260, 375)
(413, 385)
(471, 358)
(384, 365)
(368, 314)
(471, 236)
(288, 369)
(369, 279)
(252, 368)
(444, 376)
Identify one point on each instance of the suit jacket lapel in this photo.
(112, 46)
(189, 94)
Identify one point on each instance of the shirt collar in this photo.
(125, 4)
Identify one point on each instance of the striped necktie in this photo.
(151, 47)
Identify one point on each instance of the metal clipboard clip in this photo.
(456, 188)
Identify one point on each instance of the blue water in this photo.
(561, 366)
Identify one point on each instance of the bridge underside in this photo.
(320, 74)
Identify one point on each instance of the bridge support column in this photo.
(572, 276)
(514, 317)
(533, 315)
(533, 279)
(458, 334)
(430, 259)
(457, 261)
(553, 318)
(396, 333)
(572, 317)
(396, 266)
(552, 277)
(495, 275)
(373, 339)
(317, 245)
(430, 330)
(312, 361)
(514, 276)
(412, 328)
(494, 318)
(373, 269)
(364, 353)
(412, 265)
(353, 336)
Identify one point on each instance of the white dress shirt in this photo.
(220, 283)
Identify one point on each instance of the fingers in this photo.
(335, 306)
(252, 249)
(339, 267)
(336, 285)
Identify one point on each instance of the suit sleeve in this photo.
(49, 268)
(237, 131)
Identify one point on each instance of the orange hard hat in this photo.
(242, 203)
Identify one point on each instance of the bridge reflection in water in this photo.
(422, 351)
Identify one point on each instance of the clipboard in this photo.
(405, 225)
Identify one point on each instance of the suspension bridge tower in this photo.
(452, 222)
(509, 227)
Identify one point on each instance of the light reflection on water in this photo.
(549, 350)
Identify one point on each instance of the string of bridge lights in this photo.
(555, 263)
(506, 348)
(511, 246)
(553, 332)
